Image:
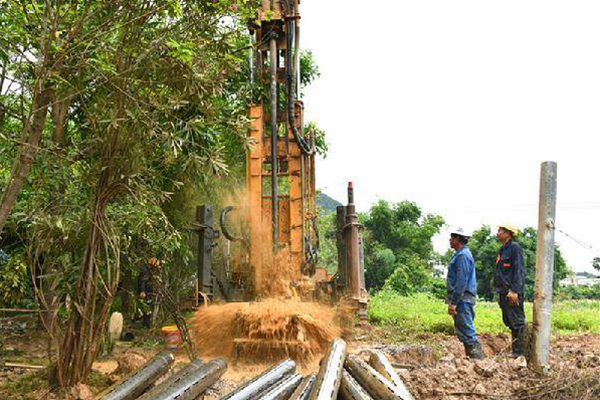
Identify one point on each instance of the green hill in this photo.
(326, 203)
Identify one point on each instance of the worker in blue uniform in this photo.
(461, 288)
(509, 281)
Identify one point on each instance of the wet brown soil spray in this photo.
(277, 326)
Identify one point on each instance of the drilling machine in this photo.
(279, 211)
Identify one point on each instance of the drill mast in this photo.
(280, 167)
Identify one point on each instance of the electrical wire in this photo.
(583, 244)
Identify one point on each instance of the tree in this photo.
(485, 246)
(398, 246)
(146, 98)
(596, 263)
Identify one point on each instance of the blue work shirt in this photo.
(461, 283)
(510, 269)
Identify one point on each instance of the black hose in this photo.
(291, 78)
(226, 233)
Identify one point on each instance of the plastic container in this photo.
(172, 337)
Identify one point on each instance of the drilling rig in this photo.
(279, 211)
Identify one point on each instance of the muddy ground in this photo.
(433, 367)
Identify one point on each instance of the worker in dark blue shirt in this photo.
(509, 281)
(461, 288)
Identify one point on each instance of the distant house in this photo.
(581, 279)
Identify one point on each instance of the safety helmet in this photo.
(457, 230)
(511, 228)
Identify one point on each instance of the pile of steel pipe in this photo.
(255, 387)
(351, 390)
(302, 392)
(339, 374)
(374, 383)
(189, 382)
(135, 384)
(329, 377)
(283, 389)
(186, 369)
(381, 364)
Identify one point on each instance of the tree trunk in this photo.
(33, 129)
(93, 297)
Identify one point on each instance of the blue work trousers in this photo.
(463, 323)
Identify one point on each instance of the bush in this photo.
(15, 282)
(579, 292)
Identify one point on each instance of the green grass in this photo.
(423, 314)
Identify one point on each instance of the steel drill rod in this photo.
(135, 384)
(282, 390)
(329, 377)
(176, 377)
(351, 390)
(262, 382)
(380, 363)
(193, 384)
(302, 392)
(372, 381)
(274, 136)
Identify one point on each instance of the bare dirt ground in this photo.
(433, 368)
(442, 371)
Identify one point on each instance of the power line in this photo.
(583, 244)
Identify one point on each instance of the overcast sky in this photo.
(454, 105)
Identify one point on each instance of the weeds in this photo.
(422, 313)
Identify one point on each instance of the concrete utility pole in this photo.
(544, 267)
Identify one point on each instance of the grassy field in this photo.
(424, 314)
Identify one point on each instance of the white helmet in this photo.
(457, 230)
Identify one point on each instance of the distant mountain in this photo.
(326, 203)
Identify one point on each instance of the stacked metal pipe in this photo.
(348, 376)
(136, 383)
(374, 383)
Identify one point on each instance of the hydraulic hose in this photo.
(292, 80)
(224, 229)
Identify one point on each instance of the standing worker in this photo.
(461, 288)
(509, 281)
(146, 288)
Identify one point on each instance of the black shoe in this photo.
(474, 351)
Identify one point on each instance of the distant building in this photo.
(581, 280)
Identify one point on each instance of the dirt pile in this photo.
(271, 329)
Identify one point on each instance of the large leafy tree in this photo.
(485, 246)
(398, 246)
(145, 99)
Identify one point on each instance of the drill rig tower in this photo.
(280, 167)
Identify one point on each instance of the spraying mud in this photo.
(283, 322)
(272, 329)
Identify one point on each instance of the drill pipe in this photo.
(372, 381)
(282, 390)
(303, 391)
(262, 381)
(176, 377)
(329, 377)
(194, 383)
(351, 390)
(135, 384)
(381, 364)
